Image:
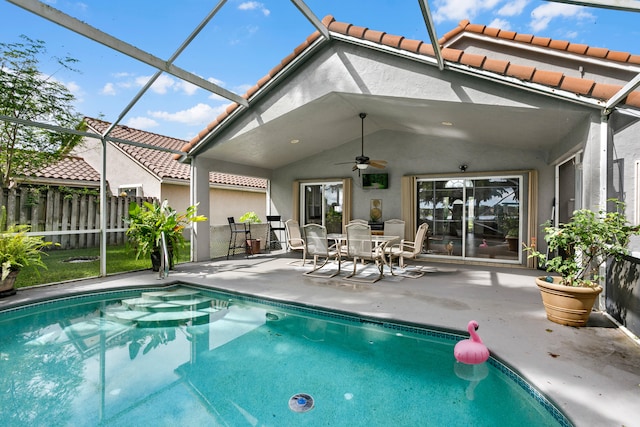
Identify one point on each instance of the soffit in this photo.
(332, 121)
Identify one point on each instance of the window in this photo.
(471, 217)
(134, 190)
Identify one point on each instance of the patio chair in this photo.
(359, 221)
(407, 249)
(241, 230)
(394, 227)
(360, 246)
(295, 242)
(315, 237)
(355, 221)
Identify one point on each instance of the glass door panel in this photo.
(321, 203)
(472, 218)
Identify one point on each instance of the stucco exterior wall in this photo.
(121, 170)
(624, 177)
(223, 202)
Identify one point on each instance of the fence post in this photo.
(82, 223)
(91, 224)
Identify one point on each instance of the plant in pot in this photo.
(510, 226)
(253, 245)
(581, 247)
(17, 250)
(147, 224)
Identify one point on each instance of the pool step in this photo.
(166, 308)
(164, 305)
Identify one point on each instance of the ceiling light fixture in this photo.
(362, 166)
(294, 141)
(446, 123)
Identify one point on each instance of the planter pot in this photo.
(156, 259)
(253, 246)
(512, 243)
(567, 305)
(7, 287)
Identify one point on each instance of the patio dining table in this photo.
(379, 241)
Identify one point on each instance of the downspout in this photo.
(602, 202)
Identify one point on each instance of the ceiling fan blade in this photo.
(354, 168)
(380, 164)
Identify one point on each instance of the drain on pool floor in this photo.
(301, 402)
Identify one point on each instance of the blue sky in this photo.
(246, 39)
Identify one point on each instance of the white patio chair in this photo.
(407, 249)
(315, 237)
(394, 227)
(295, 242)
(360, 246)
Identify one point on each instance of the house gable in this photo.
(476, 61)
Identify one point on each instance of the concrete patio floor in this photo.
(591, 373)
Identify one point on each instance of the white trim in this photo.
(545, 50)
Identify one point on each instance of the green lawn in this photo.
(119, 259)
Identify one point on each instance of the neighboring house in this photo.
(137, 171)
(70, 171)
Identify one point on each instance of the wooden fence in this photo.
(61, 212)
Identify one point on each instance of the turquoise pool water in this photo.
(187, 356)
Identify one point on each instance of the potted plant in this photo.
(253, 245)
(17, 250)
(147, 224)
(581, 247)
(510, 226)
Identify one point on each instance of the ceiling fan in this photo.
(362, 161)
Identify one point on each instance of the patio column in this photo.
(200, 233)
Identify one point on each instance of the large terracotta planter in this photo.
(7, 285)
(567, 305)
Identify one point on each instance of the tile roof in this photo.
(552, 79)
(68, 168)
(161, 163)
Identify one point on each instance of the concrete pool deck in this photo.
(592, 373)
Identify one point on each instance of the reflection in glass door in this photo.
(472, 217)
(321, 203)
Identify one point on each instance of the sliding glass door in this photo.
(472, 217)
(321, 203)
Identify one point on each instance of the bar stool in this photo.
(243, 230)
(275, 225)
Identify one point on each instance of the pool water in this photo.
(188, 356)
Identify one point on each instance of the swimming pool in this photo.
(190, 356)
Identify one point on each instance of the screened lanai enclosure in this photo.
(483, 213)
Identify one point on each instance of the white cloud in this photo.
(216, 81)
(75, 89)
(196, 115)
(503, 24)
(162, 84)
(456, 10)
(143, 123)
(541, 16)
(108, 89)
(254, 5)
(186, 87)
(513, 8)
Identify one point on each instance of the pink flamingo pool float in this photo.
(471, 351)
